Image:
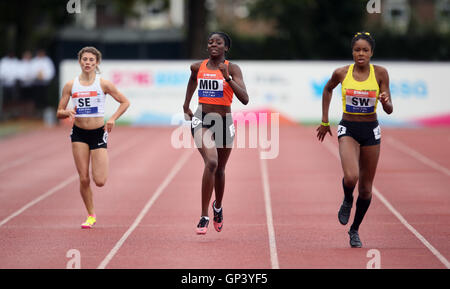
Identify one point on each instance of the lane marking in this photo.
(418, 156)
(40, 198)
(59, 186)
(178, 165)
(26, 159)
(334, 150)
(268, 204)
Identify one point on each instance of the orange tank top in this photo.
(212, 87)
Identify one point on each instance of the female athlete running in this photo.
(212, 126)
(363, 84)
(89, 133)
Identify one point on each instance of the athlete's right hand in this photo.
(71, 112)
(187, 113)
(322, 132)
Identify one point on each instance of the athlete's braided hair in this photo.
(224, 36)
(366, 36)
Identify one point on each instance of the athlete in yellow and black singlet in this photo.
(363, 85)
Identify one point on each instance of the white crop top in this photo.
(89, 100)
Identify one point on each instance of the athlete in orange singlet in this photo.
(212, 126)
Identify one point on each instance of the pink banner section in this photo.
(247, 115)
(441, 120)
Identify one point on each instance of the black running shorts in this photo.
(95, 138)
(365, 133)
(221, 126)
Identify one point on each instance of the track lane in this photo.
(41, 236)
(305, 193)
(307, 201)
(166, 235)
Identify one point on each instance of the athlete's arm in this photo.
(62, 112)
(109, 88)
(191, 87)
(385, 94)
(236, 82)
(335, 79)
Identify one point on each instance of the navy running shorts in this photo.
(365, 133)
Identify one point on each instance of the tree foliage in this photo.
(312, 29)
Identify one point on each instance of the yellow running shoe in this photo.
(90, 222)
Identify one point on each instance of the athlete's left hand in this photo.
(109, 125)
(224, 69)
(384, 97)
(322, 132)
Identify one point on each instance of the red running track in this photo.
(279, 213)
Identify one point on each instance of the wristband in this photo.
(325, 123)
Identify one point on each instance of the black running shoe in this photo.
(355, 242)
(218, 218)
(344, 212)
(202, 226)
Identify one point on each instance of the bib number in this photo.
(341, 130)
(86, 102)
(377, 132)
(360, 101)
(210, 88)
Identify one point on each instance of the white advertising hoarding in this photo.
(157, 89)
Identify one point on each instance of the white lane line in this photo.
(418, 156)
(59, 186)
(25, 159)
(402, 220)
(178, 165)
(40, 198)
(270, 228)
(411, 228)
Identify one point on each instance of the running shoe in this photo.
(218, 218)
(355, 242)
(90, 222)
(344, 212)
(202, 226)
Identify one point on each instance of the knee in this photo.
(211, 165)
(84, 181)
(350, 180)
(365, 191)
(220, 172)
(100, 182)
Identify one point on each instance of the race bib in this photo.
(360, 101)
(232, 130)
(377, 132)
(341, 130)
(87, 102)
(210, 87)
(195, 122)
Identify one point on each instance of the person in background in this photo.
(44, 71)
(26, 79)
(8, 82)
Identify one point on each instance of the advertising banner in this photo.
(157, 89)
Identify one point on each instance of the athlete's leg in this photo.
(81, 156)
(100, 166)
(219, 184)
(349, 152)
(368, 165)
(208, 151)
